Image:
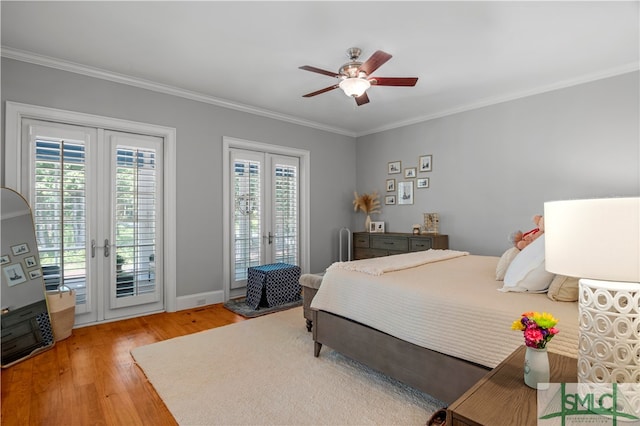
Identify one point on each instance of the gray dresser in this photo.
(367, 245)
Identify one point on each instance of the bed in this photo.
(437, 324)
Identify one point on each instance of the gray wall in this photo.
(200, 128)
(494, 167)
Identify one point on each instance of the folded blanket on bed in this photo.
(380, 265)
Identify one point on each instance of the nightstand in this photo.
(502, 398)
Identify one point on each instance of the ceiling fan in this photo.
(356, 76)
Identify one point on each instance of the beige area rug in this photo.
(262, 371)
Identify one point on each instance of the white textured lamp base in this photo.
(609, 342)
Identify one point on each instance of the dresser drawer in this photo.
(419, 244)
(16, 331)
(20, 346)
(389, 243)
(361, 240)
(21, 314)
(367, 253)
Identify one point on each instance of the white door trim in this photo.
(15, 112)
(305, 252)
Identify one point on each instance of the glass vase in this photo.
(536, 368)
(367, 224)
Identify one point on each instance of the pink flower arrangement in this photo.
(538, 328)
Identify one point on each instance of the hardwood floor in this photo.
(90, 378)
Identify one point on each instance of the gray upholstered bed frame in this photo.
(442, 376)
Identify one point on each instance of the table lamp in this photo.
(598, 241)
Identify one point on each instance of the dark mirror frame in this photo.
(26, 323)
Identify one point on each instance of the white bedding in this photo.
(451, 306)
(381, 265)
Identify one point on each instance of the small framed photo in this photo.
(422, 183)
(19, 249)
(390, 200)
(376, 227)
(36, 273)
(405, 192)
(4, 259)
(14, 274)
(409, 172)
(391, 185)
(394, 167)
(424, 163)
(30, 262)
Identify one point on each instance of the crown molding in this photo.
(47, 61)
(73, 67)
(613, 72)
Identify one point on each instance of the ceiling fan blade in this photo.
(362, 99)
(394, 81)
(374, 62)
(321, 91)
(319, 71)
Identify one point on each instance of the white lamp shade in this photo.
(597, 239)
(354, 86)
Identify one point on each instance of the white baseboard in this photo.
(199, 299)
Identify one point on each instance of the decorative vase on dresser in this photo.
(367, 223)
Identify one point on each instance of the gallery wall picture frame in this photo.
(422, 183)
(394, 167)
(36, 273)
(4, 259)
(390, 200)
(391, 185)
(14, 274)
(19, 249)
(425, 163)
(405, 192)
(30, 261)
(410, 172)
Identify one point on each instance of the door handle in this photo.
(106, 247)
(271, 237)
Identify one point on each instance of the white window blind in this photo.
(286, 214)
(135, 221)
(246, 216)
(60, 213)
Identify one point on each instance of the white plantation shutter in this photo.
(285, 216)
(247, 216)
(135, 220)
(59, 205)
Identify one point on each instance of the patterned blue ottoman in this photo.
(273, 285)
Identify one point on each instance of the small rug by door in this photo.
(241, 308)
(263, 372)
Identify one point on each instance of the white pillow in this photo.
(526, 272)
(504, 262)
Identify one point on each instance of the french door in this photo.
(96, 196)
(264, 211)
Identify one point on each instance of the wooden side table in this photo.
(502, 398)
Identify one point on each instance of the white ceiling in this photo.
(246, 54)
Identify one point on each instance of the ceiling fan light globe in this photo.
(354, 87)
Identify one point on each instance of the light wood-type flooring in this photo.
(90, 378)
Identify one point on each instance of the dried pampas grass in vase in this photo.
(368, 203)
